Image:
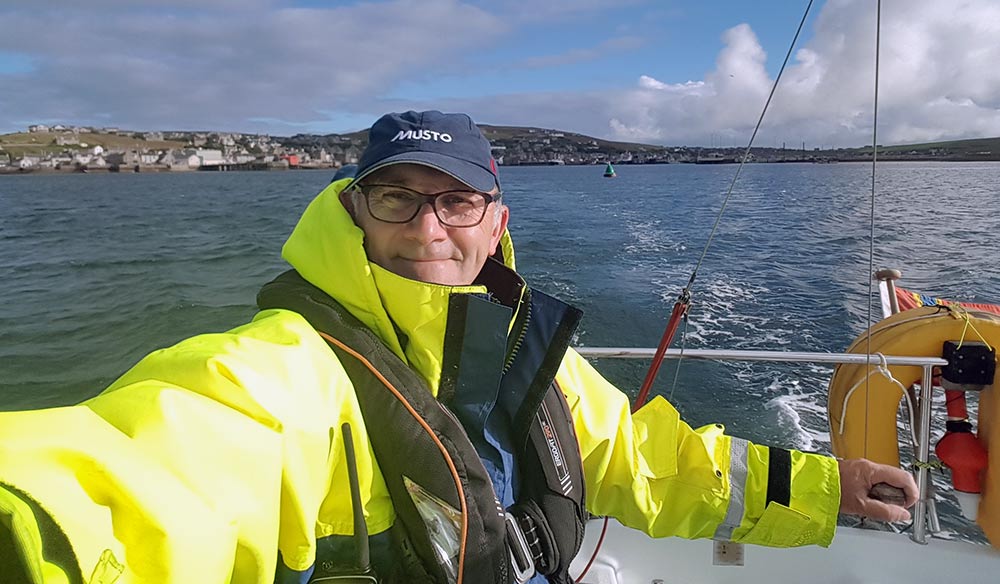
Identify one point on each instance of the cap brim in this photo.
(470, 174)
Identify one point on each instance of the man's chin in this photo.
(443, 273)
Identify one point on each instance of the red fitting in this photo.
(954, 401)
(966, 457)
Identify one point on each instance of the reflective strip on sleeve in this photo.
(737, 485)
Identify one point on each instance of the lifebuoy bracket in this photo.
(971, 366)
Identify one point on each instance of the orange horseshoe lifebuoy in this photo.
(863, 415)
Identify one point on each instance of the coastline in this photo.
(141, 169)
(159, 169)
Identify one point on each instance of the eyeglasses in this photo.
(396, 204)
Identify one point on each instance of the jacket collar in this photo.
(327, 249)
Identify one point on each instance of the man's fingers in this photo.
(896, 477)
(883, 512)
(863, 482)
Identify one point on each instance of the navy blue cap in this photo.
(451, 143)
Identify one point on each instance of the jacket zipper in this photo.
(526, 306)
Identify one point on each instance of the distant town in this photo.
(65, 148)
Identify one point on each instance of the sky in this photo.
(673, 72)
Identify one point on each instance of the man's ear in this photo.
(498, 228)
(347, 200)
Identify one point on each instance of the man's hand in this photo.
(858, 476)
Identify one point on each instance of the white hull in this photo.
(856, 556)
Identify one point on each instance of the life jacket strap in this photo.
(537, 534)
(522, 562)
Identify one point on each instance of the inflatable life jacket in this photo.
(497, 445)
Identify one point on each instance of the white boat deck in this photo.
(857, 556)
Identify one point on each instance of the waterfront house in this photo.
(209, 157)
(122, 159)
(324, 156)
(61, 160)
(351, 154)
(173, 158)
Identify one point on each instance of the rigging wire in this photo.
(871, 218)
(684, 298)
(677, 369)
(746, 155)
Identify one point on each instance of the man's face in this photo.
(424, 249)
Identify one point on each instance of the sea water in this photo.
(98, 270)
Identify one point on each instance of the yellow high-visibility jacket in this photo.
(207, 458)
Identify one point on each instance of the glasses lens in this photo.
(460, 208)
(395, 204)
(392, 204)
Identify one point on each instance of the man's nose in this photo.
(426, 220)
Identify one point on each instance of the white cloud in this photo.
(263, 65)
(157, 67)
(938, 80)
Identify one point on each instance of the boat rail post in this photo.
(933, 522)
(889, 276)
(923, 507)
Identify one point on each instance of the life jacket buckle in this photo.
(521, 560)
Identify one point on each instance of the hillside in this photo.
(497, 135)
(42, 143)
(977, 149)
(527, 145)
(512, 145)
(503, 134)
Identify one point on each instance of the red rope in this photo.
(600, 540)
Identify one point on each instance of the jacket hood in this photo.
(327, 249)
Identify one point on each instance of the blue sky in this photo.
(614, 46)
(661, 71)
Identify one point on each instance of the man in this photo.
(478, 440)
